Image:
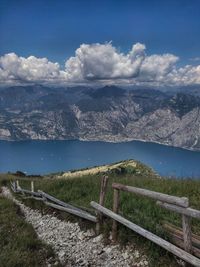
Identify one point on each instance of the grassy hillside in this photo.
(142, 211)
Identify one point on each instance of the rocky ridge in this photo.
(106, 114)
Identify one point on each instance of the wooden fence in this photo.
(183, 238)
(53, 202)
(172, 203)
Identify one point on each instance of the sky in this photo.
(150, 42)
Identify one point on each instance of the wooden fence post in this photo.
(152, 237)
(17, 184)
(32, 186)
(104, 182)
(115, 209)
(187, 234)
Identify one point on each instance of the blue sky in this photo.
(55, 29)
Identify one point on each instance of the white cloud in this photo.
(156, 67)
(31, 69)
(99, 63)
(187, 75)
(103, 61)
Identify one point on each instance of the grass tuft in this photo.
(19, 244)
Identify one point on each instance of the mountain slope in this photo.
(108, 114)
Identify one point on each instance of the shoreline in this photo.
(144, 141)
(125, 140)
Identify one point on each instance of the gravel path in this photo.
(75, 247)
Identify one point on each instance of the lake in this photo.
(42, 157)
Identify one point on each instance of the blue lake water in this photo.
(42, 157)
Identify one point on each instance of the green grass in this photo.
(19, 244)
(140, 210)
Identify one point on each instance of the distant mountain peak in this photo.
(109, 113)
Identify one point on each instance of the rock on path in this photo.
(75, 247)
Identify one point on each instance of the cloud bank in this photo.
(99, 64)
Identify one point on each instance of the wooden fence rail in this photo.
(55, 200)
(67, 207)
(172, 203)
(79, 213)
(186, 211)
(152, 237)
(176, 235)
(60, 205)
(35, 194)
(180, 201)
(13, 187)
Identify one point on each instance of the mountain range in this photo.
(108, 113)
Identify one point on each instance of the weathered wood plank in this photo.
(76, 212)
(104, 182)
(115, 210)
(86, 209)
(69, 208)
(55, 200)
(152, 237)
(180, 201)
(177, 240)
(32, 186)
(170, 228)
(17, 184)
(187, 236)
(186, 211)
(35, 198)
(13, 188)
(26, 191)
(176, 236)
